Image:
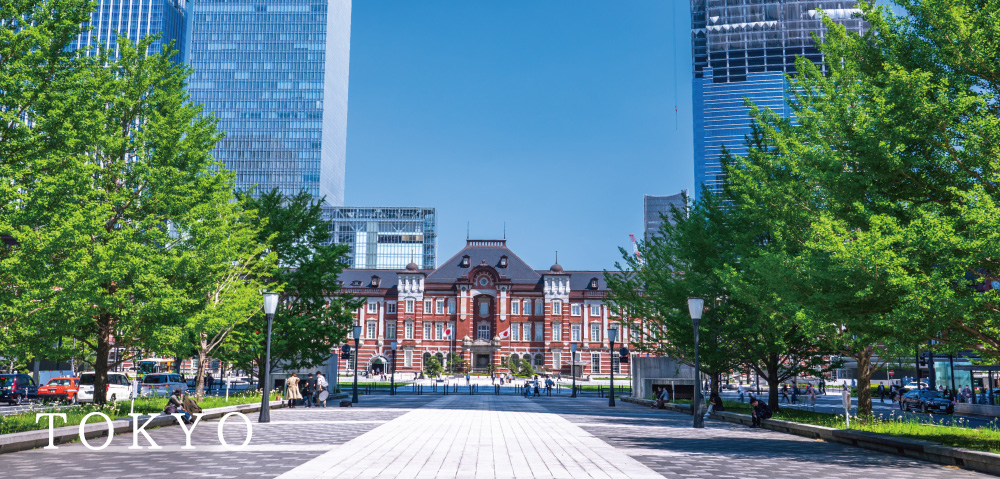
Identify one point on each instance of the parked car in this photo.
(914, 385)
(925, 401)
(119, 387)
(161, 384)
(60, 389)
(17, 388)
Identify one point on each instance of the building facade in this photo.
(275, 73)
(654, 208)
(385, 237)
(482, 305)
(134, 19)
(743, 49)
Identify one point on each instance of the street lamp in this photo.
(572, 366)
(270, 305)
(696, 306)
(392, 378)
(357, 338)
(612, 336)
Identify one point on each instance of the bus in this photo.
(154, 365)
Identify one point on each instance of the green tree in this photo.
(313, 315)
(432, 367)
(45, 113)
(102, 265)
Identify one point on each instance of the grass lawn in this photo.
(26, 421)
(980, 439)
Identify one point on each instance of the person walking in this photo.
(784, 393)
(811, 392)
(881, 392)
(548, 386)
(321, 385)
(208, 382)
(292, 390)
(308, 389)
(795, 393)
(740, 391)
(537, 387)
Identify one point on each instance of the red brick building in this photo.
(494, 305)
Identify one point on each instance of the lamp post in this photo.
(270, 305)
(696, 306)
(612, 336)
(392, 378)
(357, 338)
(572, 366)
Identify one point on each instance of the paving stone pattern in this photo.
(666, 442)
(293, 437)
(463, 436)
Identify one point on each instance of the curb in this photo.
(22, 441)
(913, 448)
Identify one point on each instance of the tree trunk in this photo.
(864, 385)
(102, 353)
(199, 383)
(715, 383)
(772, 381)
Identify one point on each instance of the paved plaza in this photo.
(462, 436)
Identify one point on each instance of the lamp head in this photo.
(394, 344)
(357, 332)
(696, 306)
(270, 303)
(612, 334)
(572, 348)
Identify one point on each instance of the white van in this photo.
(119, 387)
(161, 384)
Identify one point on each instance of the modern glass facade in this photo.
(386, 237)
(743, 49)
(275, 73)
(134, 19)
(654, 206)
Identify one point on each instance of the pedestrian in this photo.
(811, 392)
(308, 389)
(854, 384)
(784, 393)
(822, 386)
(795, 393)
(537, 387)
(662, 398)
(527, 388)
(559, 376)
(468, 379)
(292, 390)
(175, 405)
(740, 391)
(759, 413)
(321, 386)
(881, 392)
(548, 386)
(208, 381)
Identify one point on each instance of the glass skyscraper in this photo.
(743, 48)
(385, 237)
(655, 206)
(275, 73)
(134, 19)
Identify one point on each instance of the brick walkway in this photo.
(465, 436)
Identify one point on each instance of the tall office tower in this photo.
(385, 237)
(743, 48)
(275, 74)
(134, 19)
(654, 206)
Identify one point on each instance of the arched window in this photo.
(427, 357)
(539, 360)
(514, 358)
(526, 358)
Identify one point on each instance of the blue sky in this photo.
(553, 116)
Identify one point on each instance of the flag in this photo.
(447, 333)
(505, 334)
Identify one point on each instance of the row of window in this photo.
(518, 331)
(438, 307)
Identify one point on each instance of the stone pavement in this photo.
(463, 436)
(666, 442)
